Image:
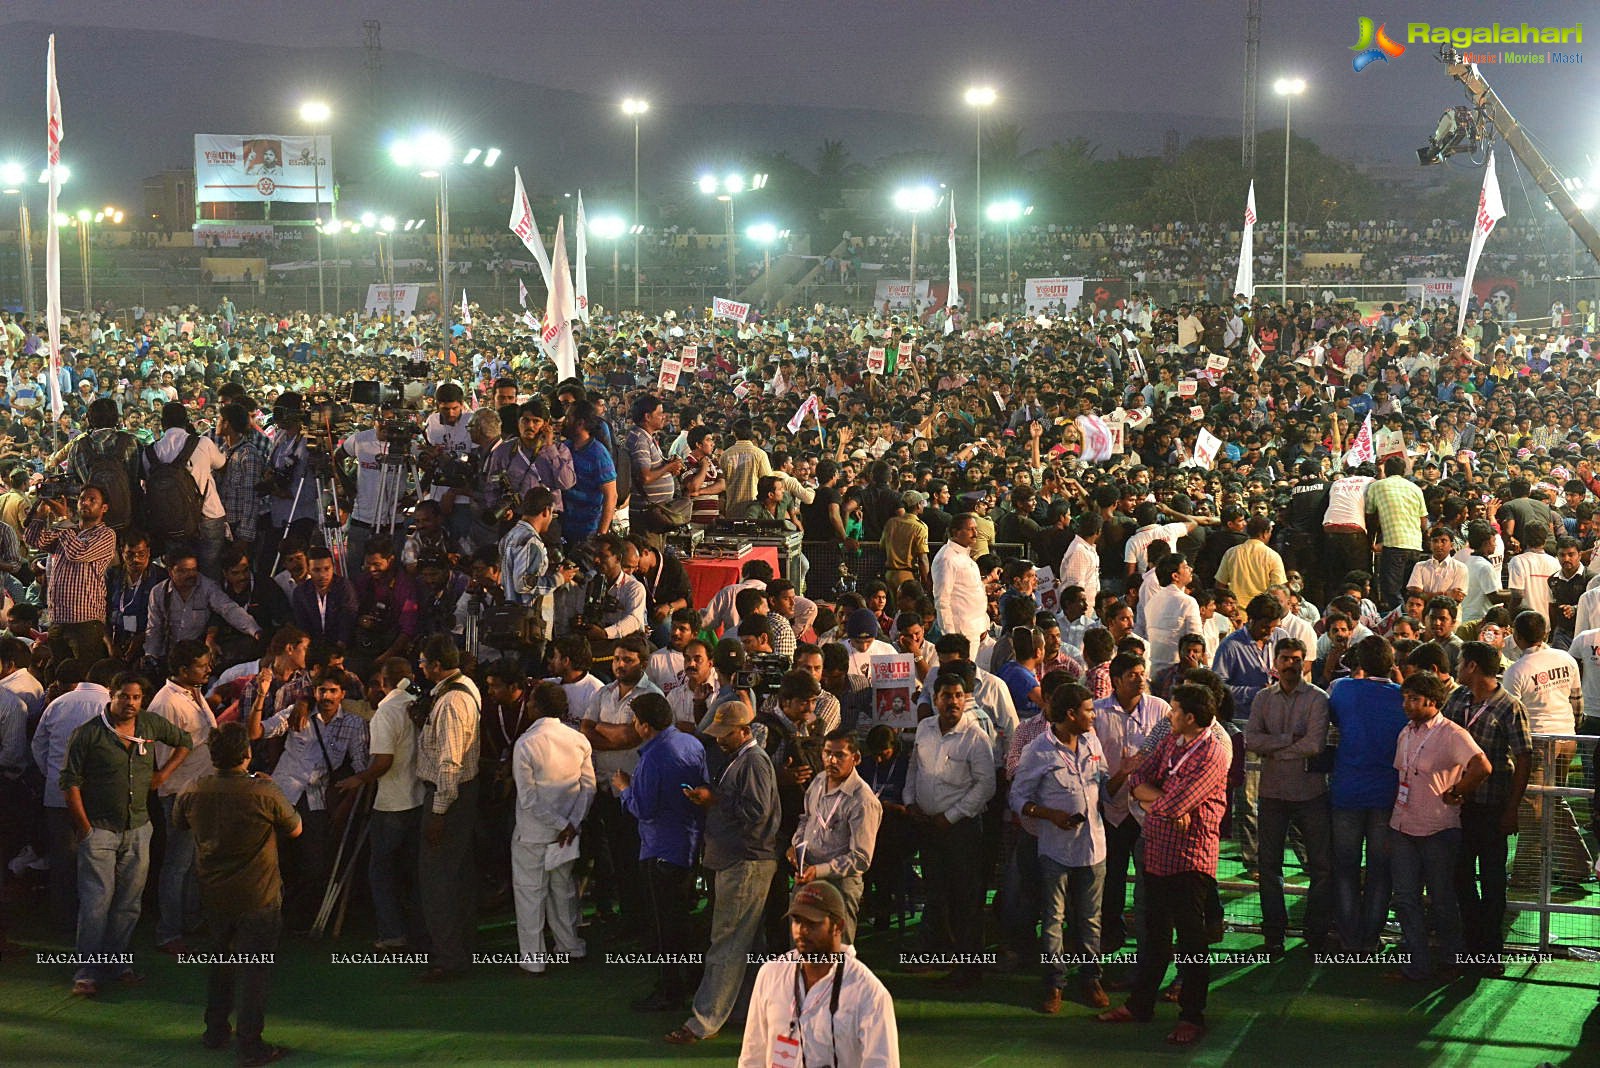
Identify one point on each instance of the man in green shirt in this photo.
(106, 779)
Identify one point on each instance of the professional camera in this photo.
(441, 467)
(598, 602)
(61, 486)
(399, 433)
(508, 504)
(762, 675)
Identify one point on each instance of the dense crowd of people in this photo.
(1165, 576)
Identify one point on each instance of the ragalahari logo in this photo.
(1373, 45)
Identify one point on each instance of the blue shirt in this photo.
(582, 504)
(669, 823)
(1370, 717)
(1245, 666)
(1021, 682)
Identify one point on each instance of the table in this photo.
(709, 575)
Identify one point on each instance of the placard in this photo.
(1187, 387)
(690, 357)
(894, 681)
(1216, 364)
(905, 348)
(668, 379)
(723, 308)
(1045, 590)
(875, 360)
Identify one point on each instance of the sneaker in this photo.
(20, 862)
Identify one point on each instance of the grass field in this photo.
(1285, 1013)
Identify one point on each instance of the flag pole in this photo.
(52, 241)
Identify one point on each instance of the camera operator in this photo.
(448, 440)
(794, 742)
(106, 456)
(386, 623)
(364, 447)
(525, 575)
(75, 589)
(654, 477)
(248, 452)
(290, 483)
(266, 603)
(666, 585)
(536, 457)
(615, 605)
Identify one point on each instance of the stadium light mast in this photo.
(914, 199)
(431, 155)
(979, 98)
(13, 177)
(1288, 88)
(315, 113)
(633, 107)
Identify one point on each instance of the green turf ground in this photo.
(1287, 1013)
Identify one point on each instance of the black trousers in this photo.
(240, 990)
(447, 880)
(1481, 878)
(670, 892)
(306, 859)
(954, 883)
(612, 837)
(1175, 903)
(1121, 840)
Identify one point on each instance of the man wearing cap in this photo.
(861, 630)
(905, 542)
(959, 598)
(818, 1004)
(949, 783)
(741, 848)
(838, 826)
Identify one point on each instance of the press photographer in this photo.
(446, 457)
(382, 475)
(289, 482)
(76, 584)
(615, 603)
(537, 456)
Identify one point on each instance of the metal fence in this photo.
(1553, 904)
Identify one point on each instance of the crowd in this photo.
(269, 580)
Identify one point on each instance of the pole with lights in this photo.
(978, 98)
(764, 234)
(915, 199)
(13, 177)
(611, 228)
(725, 190)
(315, 113)
(1008, 212)
(431, 153)
(633, 107)
(1288, 88)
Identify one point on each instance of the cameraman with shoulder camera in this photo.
(365, 447)
(537, 456)
(615, 606)
(447, 440)
(76, 585)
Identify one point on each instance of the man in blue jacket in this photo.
(671, 765)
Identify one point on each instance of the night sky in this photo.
(915, 57)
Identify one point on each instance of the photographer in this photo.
(364, 447)
(615, 606)
(666, 585)
(386, 621)
(289, 484)
(108, 457)
(247, 452)
(536, 457)
(128, 586)
(654, 476)
(79, 557)
(445, 458)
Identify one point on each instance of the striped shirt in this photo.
(241, 500)
(79, 557)
(447, 748)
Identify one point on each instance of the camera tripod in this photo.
(396, 473)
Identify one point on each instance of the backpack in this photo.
(98, 465)
(172, 499)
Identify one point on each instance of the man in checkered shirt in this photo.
(79, 557)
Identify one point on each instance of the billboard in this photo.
(899, 292)
(1050, 294)
(402, 297)
(262, 168)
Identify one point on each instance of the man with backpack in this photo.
(181, 503)
(107, 456)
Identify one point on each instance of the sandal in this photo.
(1186, 1034)
(685, 1037)
(1118, 1015)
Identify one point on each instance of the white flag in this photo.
(1206, 447)
(807, 408)
(522, 293)
(581, 268)
(1363, 450)
(466, 310)
(1245, 281)
(1097, 438)
(953, 297)
(557, 333)
(1490, 211)
(523, 226)
(52, 240)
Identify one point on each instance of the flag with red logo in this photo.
(1097, 438)
(524, 227)
(1363, 450)
(1490, 211)
(1245, 281)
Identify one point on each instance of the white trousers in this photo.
(543, 896)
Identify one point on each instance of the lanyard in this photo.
(135, 739)
(799, 1012)
(1188, 751)
(1411, 759)
(124, 600)
(1477, 712)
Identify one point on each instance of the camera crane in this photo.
(1492, 117)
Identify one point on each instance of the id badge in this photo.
(130, 624)
(1403, 797)
(785, 1052)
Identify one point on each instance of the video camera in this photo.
(762, 675)
(61, 486)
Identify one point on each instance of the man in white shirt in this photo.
(1546, 681)
(1135, 551)
(1080, 564)
(1483, 577)
(182, 703)
(204, 462)
(1344, 528)
(569, 665)
(396, 807)
(861, 634)
(1440, 574)
(950, 780)
(554, 772)
(15, 660)
(61, 717)
(961, 602)
(1528, 573)
(1121, 723)
(1170, 612)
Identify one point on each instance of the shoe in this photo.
(682, 1036)
(1052, 1002)
(174, 947)
(85, 988)
(1274, 950)
(657, 1001)
(1094, 995)
(267, 1054)
(217, 1039)
(441, 975)
(131, 978)
(390, 943)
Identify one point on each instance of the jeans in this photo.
(741, 895)
(208, 547)
(447, 880)
(1361, 909)
(1312, 818)
(79, 641)
(1020, 894)
(1481, 878)
(63, 853)
(1176, 903)
(670, 891)
(241, 989)
(1345, 551)
(112, 867)
(1394, 568)
(1427, 860)
(1246, 803)
(543, 895)
(392, 871)
(1069, 895)
(180, 890)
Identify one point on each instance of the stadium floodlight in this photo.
(633, 106)
(63, 172)
(491, 157)
(12, 176)
(471, 157)
(315, 112)
(915, 199)
(1288, 88)
(708, 185)
(981, 96)
(608, 227)
(369, 218)
(386, 224)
